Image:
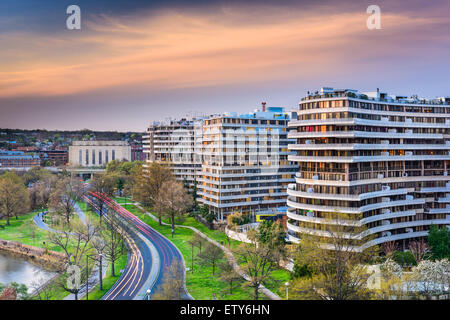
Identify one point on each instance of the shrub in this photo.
(404, 258)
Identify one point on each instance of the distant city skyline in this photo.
(136, 62)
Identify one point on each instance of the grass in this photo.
(109, 280)
(25, 231)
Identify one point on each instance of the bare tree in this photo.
(210, 256)
(14, 198)
(112, 235)
(66, 193)
(173, 200)
(172, 287)
(74, 239)
(103, 184)
(389, 248)
(229, 276)
(259, 261)
(419, 249)
(336, 258)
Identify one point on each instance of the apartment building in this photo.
(238, 162)
(245, 165)
(173, 143)
(18, 159)
(381, 160)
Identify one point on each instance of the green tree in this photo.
(14, 197)
(439, 241)
(272, 234)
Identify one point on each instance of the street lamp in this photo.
(287, 290)
(100, 275)
(148, 294)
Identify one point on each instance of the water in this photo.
(14, 269)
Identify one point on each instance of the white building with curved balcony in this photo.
(381, 159)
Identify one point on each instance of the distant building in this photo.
(18, 159)
(26, 149)
(97, 153)
(56, 157)
(137, 152)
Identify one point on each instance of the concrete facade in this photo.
(97, 153)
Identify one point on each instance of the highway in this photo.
(150, 255)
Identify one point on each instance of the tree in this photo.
(112, 235)
(210, 256)
(404, 258)
(206, 214)
(272, 234)
(198, 240)
(336, 261)
(237, 219)
(14, 291)
(40, 192)
(419, 249)
(63, 198)
(14, 197)
(433, 277)
(229, 276)
(173, 201)
(103, 184)
(439, 241)
(149, 181)
(172, 287)
(74, 239)
(389, 248)
(259, 261)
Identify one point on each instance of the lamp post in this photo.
(287, 290)
(148, 294)
(87, 277)
(100, 272)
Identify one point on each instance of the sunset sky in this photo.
(134, 62)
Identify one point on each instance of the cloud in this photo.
(176, 49)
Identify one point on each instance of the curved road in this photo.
(151, 256)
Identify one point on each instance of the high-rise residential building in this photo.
(173, 143)
(238, 162)
(380, 159)
(245, 165)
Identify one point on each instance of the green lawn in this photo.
(24, 230)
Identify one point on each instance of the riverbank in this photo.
(49, 260)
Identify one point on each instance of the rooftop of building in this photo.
(7, 154)
(100, 143)
(329, 92)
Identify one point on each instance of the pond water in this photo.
(15, 269)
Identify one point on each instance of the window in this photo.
(106, 156)
(113, 155)
(87, 157)
(93, 157)
(80, 157)
(100, 157)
